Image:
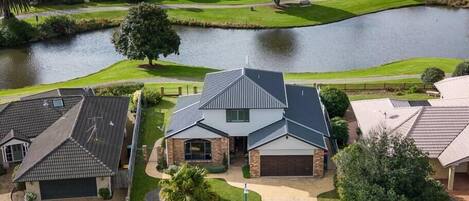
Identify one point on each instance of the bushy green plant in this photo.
(225, 160)
(172, 169)
(30, 196)
(15, 32)
(58, 26)
(340, 130)
(335, 100)
(432, 75)
(95, 24)
(246, 171)
(461, 69)
(121, 89)
(412, 89)
(161, 164)
(151, 97)
(104, 193)
(215, 169)
(18, 185)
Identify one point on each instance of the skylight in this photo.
(58, 102)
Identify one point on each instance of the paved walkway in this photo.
(165, 6)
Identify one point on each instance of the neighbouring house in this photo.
(439, 127)
(68, 142)
(454, 87)
(282, 129)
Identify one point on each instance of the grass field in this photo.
(128, 71)
(319, 12)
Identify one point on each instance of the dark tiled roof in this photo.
(243, 88)
(85, 142)
(61, 92)
(30, 118)
(12, 135)
(285, 127)
(304, 107)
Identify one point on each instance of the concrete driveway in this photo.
(279, 188)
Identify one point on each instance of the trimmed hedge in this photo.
(335, 100)
(151, 97)
(214, 169)
(60, 25)
(246, 171)
(105, 193)
(121, 89)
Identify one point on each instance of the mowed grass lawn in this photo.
(128, 70)
(153, 119)
(320, 12)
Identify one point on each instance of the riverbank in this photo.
(174, 75)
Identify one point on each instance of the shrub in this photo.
(461, 69)
(161, 165)
(18, 185)
(246, 172)
(336, 101)
(151, 97)
(225, 160)
(432, 75)
(30, 196)
(57, 26)
(121, 89)
(214, 169)
(172, 169)
(340, 130)
(412, 89)
(105, 193)
(15, 32)
(95, 24)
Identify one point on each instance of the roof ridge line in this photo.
(466, 127)
(407, 119)
(186, 107)
(262, 88)
(419, 114)
(89, 153)
(220, 92)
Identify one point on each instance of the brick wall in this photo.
(34, 188)
(255, 163)
(318, 163)
(175, 150)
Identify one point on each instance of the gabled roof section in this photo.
(85, 142)
(285, 127)
(61, 92)
(243, 88)
(457, 151)
(12, 135)
(186, 115)
(306, 109)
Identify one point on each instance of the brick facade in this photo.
(175, 150)
(318, 163)
(255, 163)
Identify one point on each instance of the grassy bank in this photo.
(320, 12)
(129, 71)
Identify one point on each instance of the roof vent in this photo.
(111, 123)
(45, 104)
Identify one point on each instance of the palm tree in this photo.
(187, 184)
(6, 6)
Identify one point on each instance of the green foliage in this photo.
(335, 101)
(340, 130)
(432, 75)
(412, 89)
(151, 97)
(461, 69)
(246, 171)
(215, 169)
(162, 164)
(121, 89)
(30, 196)
(146, 32)
(225, 160)
(58, 26)
(15, 32)
(95, 24)
(104, 193)
(187, 184)
(388, 168)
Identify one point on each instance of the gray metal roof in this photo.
(305, 108)
(184, 101)
(30, 118)
(285, 127)
(61, 92)
(85, 142)
(243, 88)
(186, 116)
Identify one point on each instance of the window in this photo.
(197, 150)
(9, 153)
(238, 115)
(58, 102)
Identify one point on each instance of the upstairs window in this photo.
(237, 115)
(58, 102)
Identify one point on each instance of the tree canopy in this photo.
(386, 168)
(340, 130)
(336, 101)
(461, 69)
(7, 6)
(146, 32)
(432, 75)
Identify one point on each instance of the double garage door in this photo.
(291, 165)
(68, 188)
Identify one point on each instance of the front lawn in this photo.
(230, 193)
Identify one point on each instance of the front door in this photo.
(241, 145)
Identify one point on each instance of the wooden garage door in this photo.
(290, 165)
(68, 188)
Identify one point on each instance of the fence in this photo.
(133, 150)
(178, 91)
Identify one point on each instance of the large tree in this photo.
(146, 32)
(387, 168)
(187, 184)
(7, 6)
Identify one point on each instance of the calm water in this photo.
(359, 42)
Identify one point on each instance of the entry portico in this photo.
(13, 148)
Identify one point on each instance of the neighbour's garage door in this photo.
(68, 188)
(286, 165)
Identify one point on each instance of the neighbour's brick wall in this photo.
(103, 182)
(33, 187)
(255, 163)
(175, 150)
(318, 163)
(439, 172)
